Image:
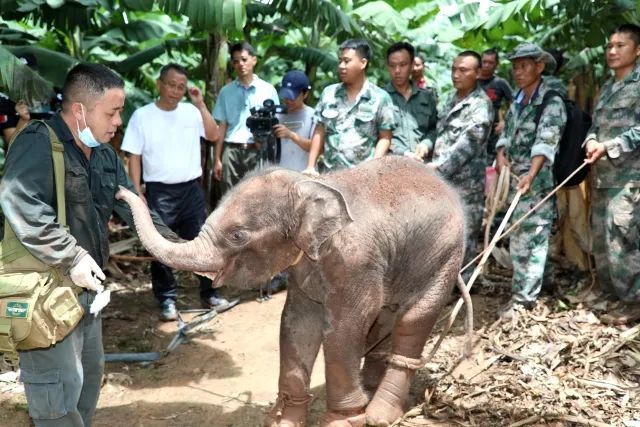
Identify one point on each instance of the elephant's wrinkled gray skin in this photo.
(382, 247)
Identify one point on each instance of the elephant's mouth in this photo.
(216, 277)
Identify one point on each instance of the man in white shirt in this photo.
(297, 125)
(163, 138)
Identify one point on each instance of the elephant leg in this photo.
(343, 345)
(300, 339)
(409, 336)
(378, 349)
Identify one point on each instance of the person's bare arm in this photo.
(524, 183)
(383, 144)
(217, 168)
(211, 129)
(135, 173)
(317, 145)
(281, 131)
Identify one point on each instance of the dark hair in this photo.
(421, 56)
(175, 67)
(87, 82)
(397, 47)
(239, 47)
(631, 29)
(558, 56)
(473, 54)
(491, 51)
(362, 48)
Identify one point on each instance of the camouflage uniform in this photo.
(351, 129)
(460, 154)
(521, 141)
(616, 191)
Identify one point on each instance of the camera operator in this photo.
(232, 108)
(297, 125)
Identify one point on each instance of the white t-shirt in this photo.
(168, 141)
(301, 122)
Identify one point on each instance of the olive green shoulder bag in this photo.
(38, 304)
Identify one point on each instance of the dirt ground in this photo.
(226, 373)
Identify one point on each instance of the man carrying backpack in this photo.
(529, 150)
(613, 147)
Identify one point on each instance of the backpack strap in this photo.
(545, 100)
(57, 152)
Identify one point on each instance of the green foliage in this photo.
(136, 37)
(20, 82)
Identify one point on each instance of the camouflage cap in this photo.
(532, 50)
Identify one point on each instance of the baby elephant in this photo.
(372, 255)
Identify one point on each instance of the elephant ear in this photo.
(320, 212)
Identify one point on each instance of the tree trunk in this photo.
(216, 77)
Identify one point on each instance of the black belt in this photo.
(242, 146)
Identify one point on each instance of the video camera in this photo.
(261, 123)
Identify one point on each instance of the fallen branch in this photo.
(131, 258)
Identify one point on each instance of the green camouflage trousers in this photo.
(615, 223)
(529, 246)
(475, 210)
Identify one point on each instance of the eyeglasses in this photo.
(173, 86)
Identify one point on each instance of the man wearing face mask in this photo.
(62, 382)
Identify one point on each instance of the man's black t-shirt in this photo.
(497, 89)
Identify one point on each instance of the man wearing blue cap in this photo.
(297, 125)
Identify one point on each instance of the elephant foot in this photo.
(388, 403)
(353, 418)
(288, 411)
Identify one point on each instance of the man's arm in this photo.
(317, 146)
(550, 129)
(211, 129)
(383, 144)
(27, 197)
(281, 131)
(217, 167)
(135, 172)
(524, 182)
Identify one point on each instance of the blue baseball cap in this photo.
(293, 83)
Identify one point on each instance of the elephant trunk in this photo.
(194, 255)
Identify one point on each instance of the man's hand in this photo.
(141, 195)
(501, 161)
(310, 172)
(217, 170)
(196, 96)
(594, 150)
(421, 152)
(524, 183)
(22, 110)
(498, 127)
(87, 274)
(281, 131)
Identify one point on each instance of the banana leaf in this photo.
(20, 82)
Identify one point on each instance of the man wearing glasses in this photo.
(163, 138)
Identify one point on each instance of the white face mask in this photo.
(85, 135)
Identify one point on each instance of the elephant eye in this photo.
(237, 236)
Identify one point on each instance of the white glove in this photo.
(99, 302)
(87, 274)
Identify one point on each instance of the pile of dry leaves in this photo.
(555, 365)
